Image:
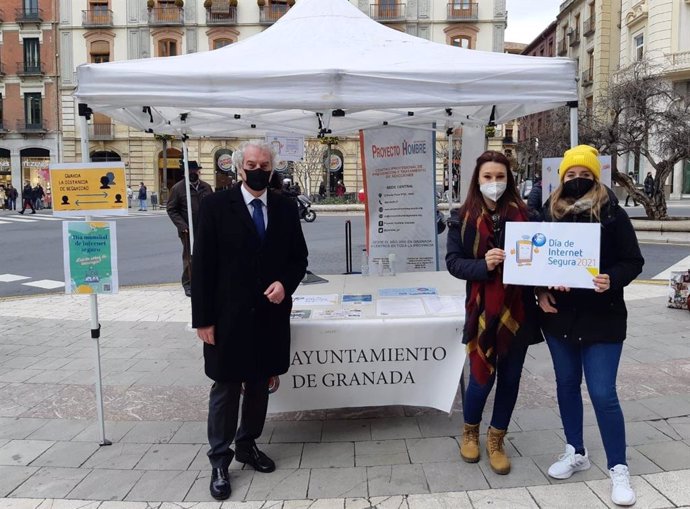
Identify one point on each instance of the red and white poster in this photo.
(399, 183)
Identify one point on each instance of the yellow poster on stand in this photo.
(80, 189)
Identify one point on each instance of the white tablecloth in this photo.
(373, 360)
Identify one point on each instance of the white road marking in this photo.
(8, 278)
(682, 265)
(46, 284)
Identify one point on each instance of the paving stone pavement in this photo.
(155, 396)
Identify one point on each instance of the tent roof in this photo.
(321, 56)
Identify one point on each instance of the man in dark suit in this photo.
(249, 257)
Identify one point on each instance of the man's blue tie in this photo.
(258, 217)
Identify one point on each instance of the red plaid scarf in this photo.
(494, 311)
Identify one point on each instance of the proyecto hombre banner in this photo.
(399, 180)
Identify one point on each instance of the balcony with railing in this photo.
(562, 47)
(269, 14)
(388, 12)
(221, 17)
(679, 64)
(587, 77)
(166, 16)
(31, 127)
(588, 26)
(97, 18)
(28, 15)
(574, 38)
(30, 69)
(461, 11)
(101, 131)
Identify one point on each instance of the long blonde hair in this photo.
(560, 206)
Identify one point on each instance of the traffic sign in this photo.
(81, 189)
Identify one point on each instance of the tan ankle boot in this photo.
(469, 450)
(498, 460)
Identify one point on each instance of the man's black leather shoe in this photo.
(220, 484)
(257, 459)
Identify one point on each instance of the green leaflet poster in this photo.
(90, 257)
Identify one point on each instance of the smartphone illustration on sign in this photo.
(523, 252)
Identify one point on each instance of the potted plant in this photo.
(291, 2)
(150, 4)
(261, 3)
(208, 4)
(233, 3)
(179, 4)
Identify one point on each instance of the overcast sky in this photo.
(528, 18)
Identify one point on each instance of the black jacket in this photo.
(588, 316)
(461, 264)
(176, 206)
(232, 268)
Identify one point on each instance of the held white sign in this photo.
(552, 254)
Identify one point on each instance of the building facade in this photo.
(93, 31)
(659, 32)
(533, 127)
(29, 95)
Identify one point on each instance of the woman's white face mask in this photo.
(493, 190)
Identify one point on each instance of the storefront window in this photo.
(5, 167)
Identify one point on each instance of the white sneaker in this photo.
(568, 463)
(621, 491)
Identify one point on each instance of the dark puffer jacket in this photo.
(588, 316)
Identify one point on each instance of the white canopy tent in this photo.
(323, 68)
(324, 65)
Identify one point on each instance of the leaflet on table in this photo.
(300, 314)
(357, 299)
(405, 292)
(400, 307)
(444, 304)
(552, 254)
(333, 314)
(330, 299)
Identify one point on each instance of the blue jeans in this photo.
(142, 204)
(508, 371)
(600, 364)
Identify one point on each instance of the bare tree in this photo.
(309, 171)
(642, 115)
(552, 140)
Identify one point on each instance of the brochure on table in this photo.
(552, 254)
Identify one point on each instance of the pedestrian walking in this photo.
(12, 195)
(176, 207)
(501, 320)
(649, 185)
(631, 195)
(130, 197)
(27, 198)
(249, 258)
(3, 197)
(585, 329)
(142, 197)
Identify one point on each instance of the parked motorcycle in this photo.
(305, 211)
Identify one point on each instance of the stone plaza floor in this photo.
(155, 395)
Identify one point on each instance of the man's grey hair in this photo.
(238, 155)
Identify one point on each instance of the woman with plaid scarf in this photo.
(500, 320)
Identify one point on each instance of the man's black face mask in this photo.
(257, 179)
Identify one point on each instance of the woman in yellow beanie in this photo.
(585, 329)
(500, 320)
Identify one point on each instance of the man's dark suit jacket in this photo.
(232, 269)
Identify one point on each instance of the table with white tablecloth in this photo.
(349, 355)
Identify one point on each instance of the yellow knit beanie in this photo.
(582, 155)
